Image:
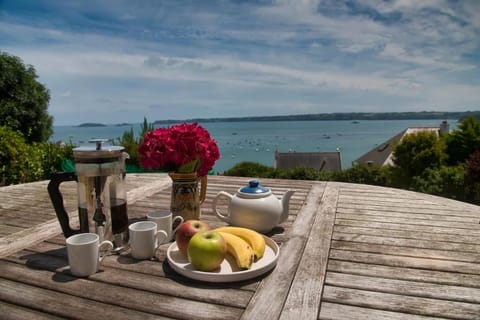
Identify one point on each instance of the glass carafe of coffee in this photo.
(102, 198)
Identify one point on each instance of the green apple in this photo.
(206, 250)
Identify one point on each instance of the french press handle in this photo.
(57, 201)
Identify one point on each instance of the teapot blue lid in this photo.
(254, 187)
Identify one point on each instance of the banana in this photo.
(254, 239)
(239, 249)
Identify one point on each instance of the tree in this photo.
(446, 181)
(463, 142)
(414, 154)
(472, 177)
(23, 100)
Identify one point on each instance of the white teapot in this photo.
(254, 207)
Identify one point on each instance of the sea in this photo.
(256, 141)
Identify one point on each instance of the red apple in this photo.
(206, 250)
(186, 231)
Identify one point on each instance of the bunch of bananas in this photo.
(245, 245)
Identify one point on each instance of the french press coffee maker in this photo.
(101, 194)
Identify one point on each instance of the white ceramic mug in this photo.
(144, 239)
(84, 253)
(165, 221)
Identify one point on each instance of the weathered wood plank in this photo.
(405, 273)
(144, 300)
(305, 294)
(404, 261)
(374, 198)
(15, 312)
(358, 189)
(407, 251)
(27, 237)
(411, 227)
(5, 230)
(335, 311)
(268, 300)
(67, 306)
(429, 210)
(404, 287)
(406, 242)
(366, 203)
(402, 303)
(437, 215)
(407, 220)
(464, 238)
(191, 290)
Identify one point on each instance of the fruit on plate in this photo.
(206, 250)
(186, 231)
(254, 239)
(239, 249)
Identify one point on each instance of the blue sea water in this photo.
(257, 141)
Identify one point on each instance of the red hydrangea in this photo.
(183, 148)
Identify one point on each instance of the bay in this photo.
(256, 141)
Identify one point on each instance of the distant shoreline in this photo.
(350, 116)
(90, 124)
(347, 116)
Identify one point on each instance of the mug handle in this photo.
(108, 244)
(164, 238)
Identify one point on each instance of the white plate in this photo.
(228, 271)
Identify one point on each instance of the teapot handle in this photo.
(219, 195)
(57, 200)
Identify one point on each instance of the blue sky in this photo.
(118, 61)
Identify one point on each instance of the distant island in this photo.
(350, 116)
(91, 124)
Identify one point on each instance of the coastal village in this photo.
(381, 155)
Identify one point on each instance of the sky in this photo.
(120, 61)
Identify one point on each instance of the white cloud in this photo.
(305, 56)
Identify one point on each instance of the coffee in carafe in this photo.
(101, 194)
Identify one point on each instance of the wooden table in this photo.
(348, 251)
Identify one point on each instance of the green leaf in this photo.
(189, 167)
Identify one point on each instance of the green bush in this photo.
(52, 155)
(19, 162)
(302, 173)
(363, 173)
(250, 169)
(130, 144)
(446, 181)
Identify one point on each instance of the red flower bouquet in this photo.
(183, 148)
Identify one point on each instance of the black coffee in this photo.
(118, 211)
(83, 217)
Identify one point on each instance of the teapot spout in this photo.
(286, 204)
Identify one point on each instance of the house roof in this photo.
(382, 154)
(327, 161)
